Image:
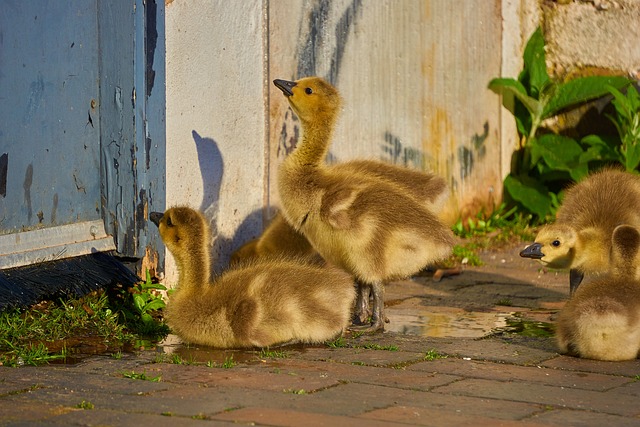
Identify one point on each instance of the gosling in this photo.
(256, 304)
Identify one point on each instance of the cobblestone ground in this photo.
(438, 364)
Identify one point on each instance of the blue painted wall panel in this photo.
(82, 133)
(49, 123)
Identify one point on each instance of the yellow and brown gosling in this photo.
(366, 225)
(258, 304)
(580, 239)
(602, 319)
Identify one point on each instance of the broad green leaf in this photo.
(534, 74)
(155, 304)
(632, 157)
(599, 148)
(146, 286)
(531, 194)
(509, 87)
(138, 302)
(580, 90)
(559, 152)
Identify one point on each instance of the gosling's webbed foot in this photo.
(374, 326)
(362, 311)
(378, 318)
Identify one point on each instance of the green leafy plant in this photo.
(627, 122)
(142, 308)
(544, 164)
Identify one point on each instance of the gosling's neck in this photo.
(194, 267)
(314, 144)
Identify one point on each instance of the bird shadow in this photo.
(212, 170)
(211, 167)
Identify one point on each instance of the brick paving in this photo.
(389, 379)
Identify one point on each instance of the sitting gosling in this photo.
(580, 239)
(602, 319)
(258, 304)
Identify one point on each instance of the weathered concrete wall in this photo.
(414, 77)
(603, 34)
(215, 116)
(413, 73)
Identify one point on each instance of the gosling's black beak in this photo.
(155, 217)
(533, 251)
(285, 86)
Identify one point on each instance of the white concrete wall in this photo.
(216, 116)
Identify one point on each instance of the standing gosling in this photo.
(259, 304)
(580, 239)
(366, 225)
(602, 319)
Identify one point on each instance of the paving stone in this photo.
(531, 374)
(279, 417)
(70, 379)
(354, 399)
(568, 417)
(28, 411)
(431, 417)
(630, 368)
(95, 417)
(243, 376)
(340, 372)
(617, 404)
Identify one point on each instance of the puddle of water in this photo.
(445, 322)
(173, 346)
(441, 322)
(526, 328)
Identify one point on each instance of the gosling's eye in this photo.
(308, 91)
(169, 223)
(556, 243)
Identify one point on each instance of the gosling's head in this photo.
(554, 246)
(311, 98)
(182, 229)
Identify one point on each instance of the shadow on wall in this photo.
(212, 170)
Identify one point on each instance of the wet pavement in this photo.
(473, 349)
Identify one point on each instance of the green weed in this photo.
(294, 391)
(265, 353)
(434, 355)
(373, 346)
(39, 334)
(85, 405)
(141, 307)
(339, 342)
(467, 254)
(141, 376)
